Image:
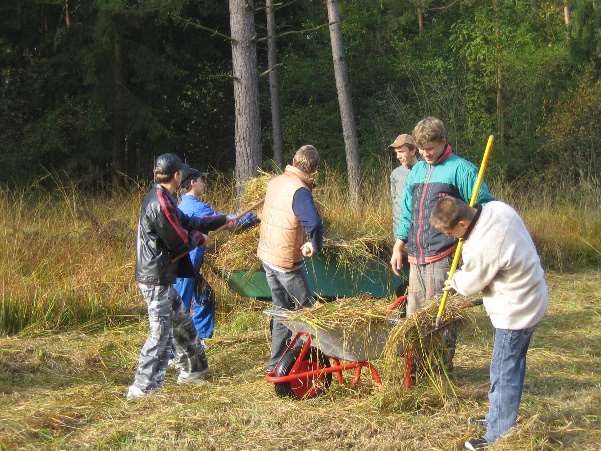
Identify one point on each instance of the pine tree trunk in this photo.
(274, 85)
(246, 88)
(344, 101)
(420, 20)
(566, 15)
(118, 128)
(67, 15)
(499, 75)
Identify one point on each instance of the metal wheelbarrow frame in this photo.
(311, 372)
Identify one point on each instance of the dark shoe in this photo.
(476, 443)
(478, 421)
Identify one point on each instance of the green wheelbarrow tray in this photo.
(325, 280)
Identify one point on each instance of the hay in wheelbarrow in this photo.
(353, 329)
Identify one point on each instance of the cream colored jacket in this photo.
(281, 233)
(500, 260)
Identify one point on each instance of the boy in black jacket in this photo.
(165, 236)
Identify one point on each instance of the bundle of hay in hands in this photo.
(351, 243)
(419, 335)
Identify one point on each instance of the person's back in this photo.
(281, 233)
(289, 212)
(503, 251)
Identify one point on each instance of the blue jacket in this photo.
(192, 206)
(451, 175)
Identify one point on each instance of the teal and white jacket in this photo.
(451, 175)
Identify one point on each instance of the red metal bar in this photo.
(374, 374)
(397, 302)
(303, 353)
(332, 369)
(357, 375)
(339, 376)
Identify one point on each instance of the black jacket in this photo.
(164, 238)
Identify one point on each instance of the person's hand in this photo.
(198, 238)
(307, 249)
(247, 220)
(396, 261)
(231, 224)
(449, 287)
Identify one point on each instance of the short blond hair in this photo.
(306, 159)
(428, 130)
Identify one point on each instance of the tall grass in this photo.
(68, 257)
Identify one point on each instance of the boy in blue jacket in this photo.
(197, 295)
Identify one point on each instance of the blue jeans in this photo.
(198, 296)
(507, 371)
(289, 290)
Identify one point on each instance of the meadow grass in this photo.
(66, 391)
(68, 257)
(73, 323)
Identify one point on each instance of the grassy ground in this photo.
(66, 390)
(72, 323)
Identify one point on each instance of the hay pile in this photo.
(349, 329)
(418, 334)
(354, 239)
(347, 314)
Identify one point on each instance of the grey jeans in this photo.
(165, 311)
(425, 285)
(289, 290)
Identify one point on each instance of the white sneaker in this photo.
(134, 392)
(195, 377)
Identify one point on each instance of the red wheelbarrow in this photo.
(313, 355)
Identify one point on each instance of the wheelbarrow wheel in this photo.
(308, 386)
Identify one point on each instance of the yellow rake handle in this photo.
(473, 200)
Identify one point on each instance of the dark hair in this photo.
(186, 185)
(449, 211)
(166, 166)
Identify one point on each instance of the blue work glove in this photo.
(247, 220)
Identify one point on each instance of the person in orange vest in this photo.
(289, 213)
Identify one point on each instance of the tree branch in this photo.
(271, 69)
(286, 33)
(442, 8)
(190, 23)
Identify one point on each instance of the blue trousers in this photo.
(507, 371)
(198, 297)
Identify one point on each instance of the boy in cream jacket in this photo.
(499, 260)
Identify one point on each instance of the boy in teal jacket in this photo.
(440, 173)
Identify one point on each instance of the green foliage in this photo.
(63, 105)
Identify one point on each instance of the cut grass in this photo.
(66, 391)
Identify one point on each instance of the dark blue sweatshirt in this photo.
(304, 208)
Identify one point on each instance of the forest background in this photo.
(98, 88)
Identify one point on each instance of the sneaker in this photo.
(195, 377)
(476, 443)
(134, 392)
(477, 421)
